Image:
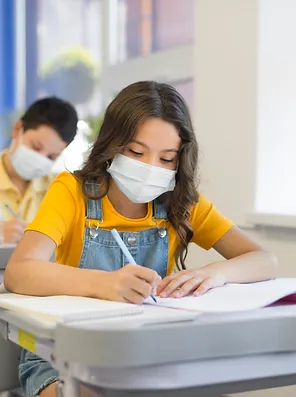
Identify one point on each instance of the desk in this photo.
(6, 251)
(209, 356)
(10, 353)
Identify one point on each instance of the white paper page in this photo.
(234, 297)
(153, 314)
(60, 307)
(150, 315)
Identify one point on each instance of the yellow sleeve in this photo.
(56, 214)
(208, 224)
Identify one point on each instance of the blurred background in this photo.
(85, 51)
(234, 61)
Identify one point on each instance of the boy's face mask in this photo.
(141, 182)
(29, 164)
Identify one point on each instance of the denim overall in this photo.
(100, 251)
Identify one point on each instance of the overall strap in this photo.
(159, 210)
(94, 207)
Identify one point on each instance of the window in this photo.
(69, 51)
(173, 23)
(64, 54)
(146, 44)
(85, 51)
(143, 26)
(276, 146)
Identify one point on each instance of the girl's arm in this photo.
(245, 262)
(30, 272)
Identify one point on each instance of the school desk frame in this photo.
(5, 254)
(211, 356)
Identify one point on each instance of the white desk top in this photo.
(267, 334)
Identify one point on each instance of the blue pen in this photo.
(125, 251)
(13, 213)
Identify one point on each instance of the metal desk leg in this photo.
(68, 387)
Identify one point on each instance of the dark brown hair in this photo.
(131, 107)
(55, 113)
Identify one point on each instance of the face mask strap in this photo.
(19, 140)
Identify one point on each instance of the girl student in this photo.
(140, 178)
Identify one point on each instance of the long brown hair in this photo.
(131, 107)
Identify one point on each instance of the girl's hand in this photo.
(131, 284)
(186, 282)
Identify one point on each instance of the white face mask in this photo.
(29, 164)
(141, 182)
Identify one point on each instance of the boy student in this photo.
(140, 178)
(38, 138)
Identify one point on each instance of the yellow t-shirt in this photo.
(62, 218)
(26, 206)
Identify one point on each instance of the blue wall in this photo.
(31, 51)
(7, 66)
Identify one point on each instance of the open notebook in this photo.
(236, 297)
(54, 309)
(229, 298)
(66, 308)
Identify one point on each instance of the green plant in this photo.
(72, 75)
